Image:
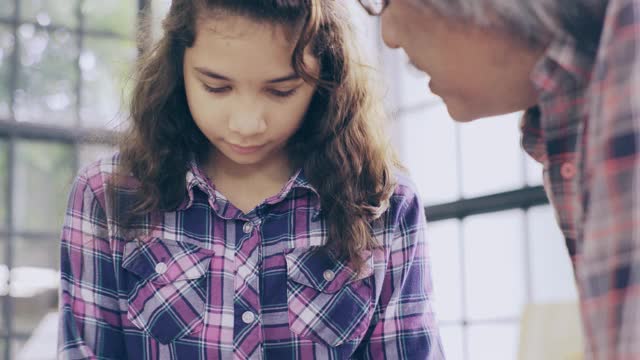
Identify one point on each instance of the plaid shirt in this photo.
(585, 133)
(209, 282)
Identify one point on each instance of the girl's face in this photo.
(241, 88)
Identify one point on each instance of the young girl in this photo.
(253, 211)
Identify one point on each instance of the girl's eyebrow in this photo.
(292, 76)
(212, 74)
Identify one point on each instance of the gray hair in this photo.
(535, 21)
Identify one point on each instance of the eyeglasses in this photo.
(374, 7)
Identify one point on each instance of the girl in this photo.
(252, 211)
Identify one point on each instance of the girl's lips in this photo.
(245, 149)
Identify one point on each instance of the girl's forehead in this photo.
(243, 48)
(234, 27)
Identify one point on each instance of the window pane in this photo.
(6, 49)
(444, 247)
(3, 186)
(4, 283)
(428, 149)
(494, 257)
(3, 321)
(6, 10)
(534, 171)
(90, 153)
(34, 280)
(43, 177)
(46, 12)
(115, 16)
(491, 155)
(106, 69)
(365, 26)
(409, 85)
(159, 9)
(452, 340)
(493, 341)
(551, 270)
(16, 346)
(34, 292)
(42, 252)
(4, 271)
(41, 345)
(47, 77)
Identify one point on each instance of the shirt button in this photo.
(247, 228)
(161, 268)
(567, 171)
(248, 317)
(328, 275)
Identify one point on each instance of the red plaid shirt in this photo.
(585, 133)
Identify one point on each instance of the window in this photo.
(64, 80)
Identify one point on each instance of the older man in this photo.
(574, 66)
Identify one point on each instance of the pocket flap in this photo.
(166, 261)
(318, 268)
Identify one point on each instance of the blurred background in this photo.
(502, 274)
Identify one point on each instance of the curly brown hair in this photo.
(340, 146)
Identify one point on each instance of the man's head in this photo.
(480, 53)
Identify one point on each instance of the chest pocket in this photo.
(328, 302)
(167, 287)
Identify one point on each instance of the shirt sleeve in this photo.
(609, 268)
(90, 326)
(404, 324)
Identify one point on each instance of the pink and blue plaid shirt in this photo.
(585, 132)
(209, 282)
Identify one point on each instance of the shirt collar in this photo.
(561, 75)
(563, 68)
(196, 178)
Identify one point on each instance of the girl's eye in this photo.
(216, 90)
(283, 94)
